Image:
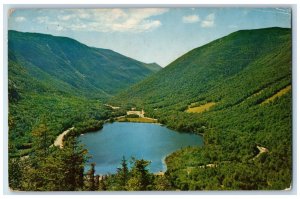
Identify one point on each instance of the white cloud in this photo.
(20, 19)
(209, 21)
(106, 20)
(190, 19)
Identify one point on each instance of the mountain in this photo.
(236, 92)
(50, 63)
(58, 83)
(204, 72)
(153, 66)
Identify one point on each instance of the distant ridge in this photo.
(65, 65)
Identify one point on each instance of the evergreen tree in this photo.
(60, 170)
(43, 174)
(35, 175)
(41, 141)
(122, 174)
(102, 183)
(161, 183)
(141, 179)
(15, 173)
(74, 158)
(97, 182)
(91, 178)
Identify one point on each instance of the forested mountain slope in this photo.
(245, 61)
(236, 91)
(59, 82)
(62, 64)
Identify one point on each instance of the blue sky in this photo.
(147, 34)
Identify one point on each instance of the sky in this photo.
(158, 35)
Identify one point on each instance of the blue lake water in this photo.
(141, 140)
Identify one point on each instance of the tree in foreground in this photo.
(91, 184)
(52, 168)
(141, 179)
(122, 175)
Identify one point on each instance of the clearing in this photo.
(113, 107)
(139, 113)
(261, 151)
(140, 119)
(201, 108)
(278, 94)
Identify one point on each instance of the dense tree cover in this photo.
(54, 84)
(63, 170)
(134, 177)
(237, 72)
(58, 113)
(45, 87)
(66, 64)
(49, 168)
(231, 145)
(222, 70)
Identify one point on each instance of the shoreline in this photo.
(137, 120)
(59, 139)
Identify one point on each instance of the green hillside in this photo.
(60, 83)
(153, 67)
(208, 68)
(236, 91)
(67, 66)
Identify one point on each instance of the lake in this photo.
(140, 140)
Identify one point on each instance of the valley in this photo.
(235, 91)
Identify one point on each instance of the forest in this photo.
(247, 113)
(247, 132)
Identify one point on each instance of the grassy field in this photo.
(202, 108)
(278, 94)
(140, 119)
